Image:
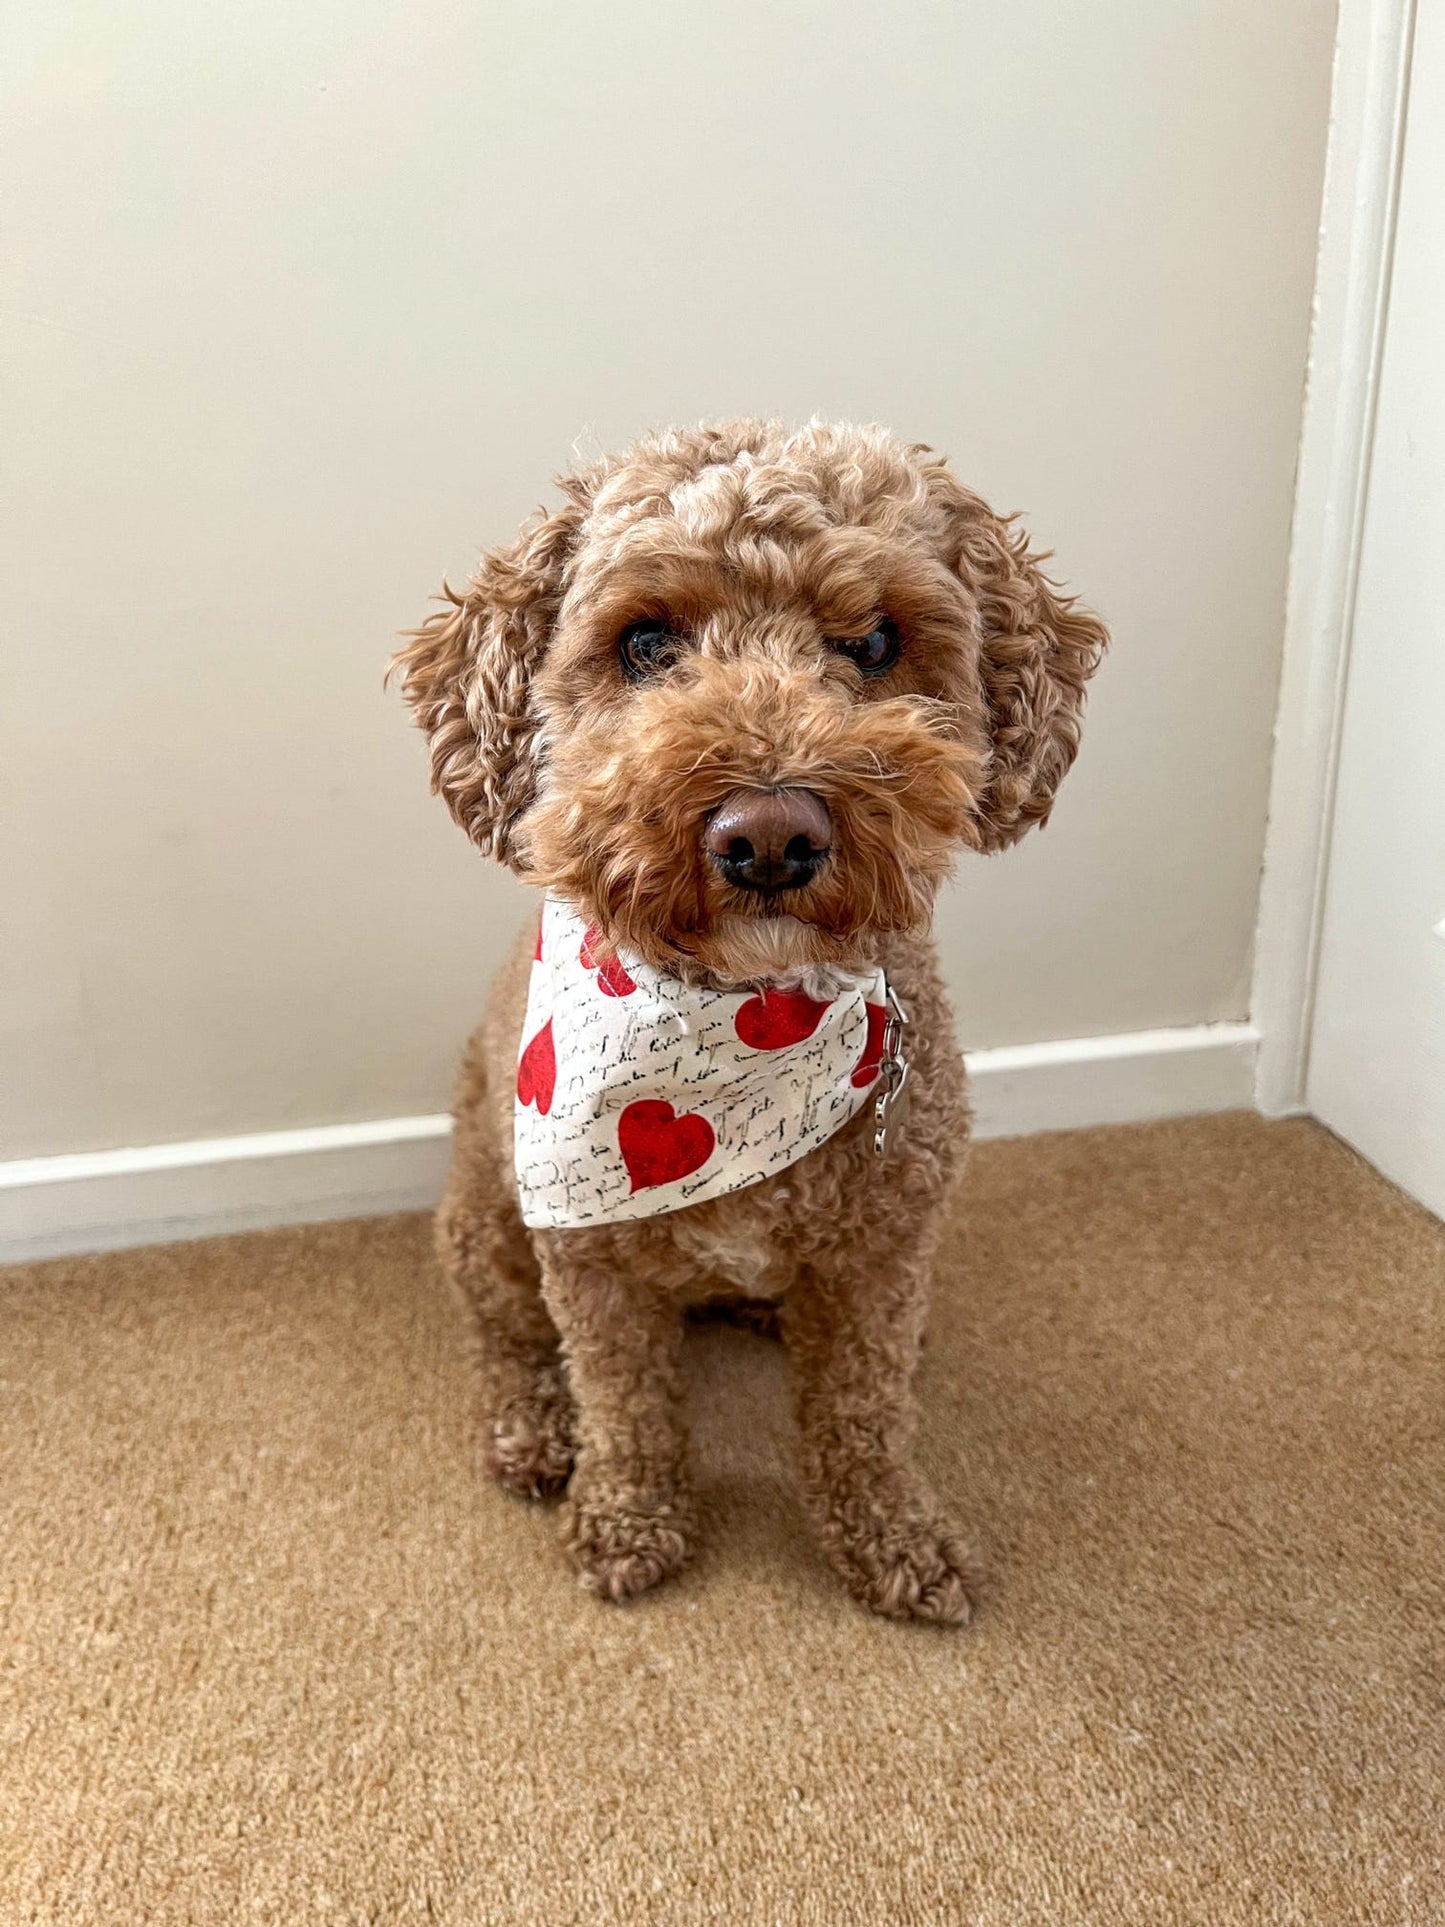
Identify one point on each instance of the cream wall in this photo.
(310, 299)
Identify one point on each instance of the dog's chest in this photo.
(752, 1241)
(739, 1255)
(739, 1242)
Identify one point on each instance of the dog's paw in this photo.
(915, 1569)
(626, 1548)
(527, 1448)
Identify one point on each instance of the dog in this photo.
(736, 707)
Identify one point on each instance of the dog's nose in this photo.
(769, 840)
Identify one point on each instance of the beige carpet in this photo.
(271, 1652)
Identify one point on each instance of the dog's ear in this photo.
(467, 675)
(1037, 651)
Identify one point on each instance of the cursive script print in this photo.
(667, 1095)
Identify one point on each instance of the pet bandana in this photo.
(637, 1094)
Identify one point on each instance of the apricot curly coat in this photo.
(759, 548)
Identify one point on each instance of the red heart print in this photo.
(612, 979)
(537, 953)
(775, 1018)
(537, 1071)
(658, 1146)
(871, 1061)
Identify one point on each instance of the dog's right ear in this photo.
(467, 675)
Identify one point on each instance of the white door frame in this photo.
(1357, 229)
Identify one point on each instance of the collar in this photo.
(638, 1094)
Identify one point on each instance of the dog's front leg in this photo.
(629, 1516)
(854, 1339)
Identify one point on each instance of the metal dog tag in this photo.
(890, 1107)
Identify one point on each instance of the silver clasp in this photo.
(890, 1107)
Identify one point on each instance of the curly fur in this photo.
(757, 545)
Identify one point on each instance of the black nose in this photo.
(769, 840)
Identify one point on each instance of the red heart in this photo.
(777, 1017)
(871, 1061)
(537, 1071)
(537, 953)
(658, 1147)
(612, 979)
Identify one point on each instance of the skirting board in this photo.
(158, 1193)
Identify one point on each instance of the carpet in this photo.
(271, 1651)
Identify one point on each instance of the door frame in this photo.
(1368, 105)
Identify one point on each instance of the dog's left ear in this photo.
(1037, 651)
(467, 674)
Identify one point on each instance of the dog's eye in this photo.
(873, 653)
(645, 647)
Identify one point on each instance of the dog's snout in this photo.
(769, 840)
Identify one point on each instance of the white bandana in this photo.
(637, 1094)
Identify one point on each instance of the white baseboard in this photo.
(1123, 1079)
(158, 1193)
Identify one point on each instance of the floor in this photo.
(272, 1652)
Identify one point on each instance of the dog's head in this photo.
(745, 695)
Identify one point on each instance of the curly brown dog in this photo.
(740, 702)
